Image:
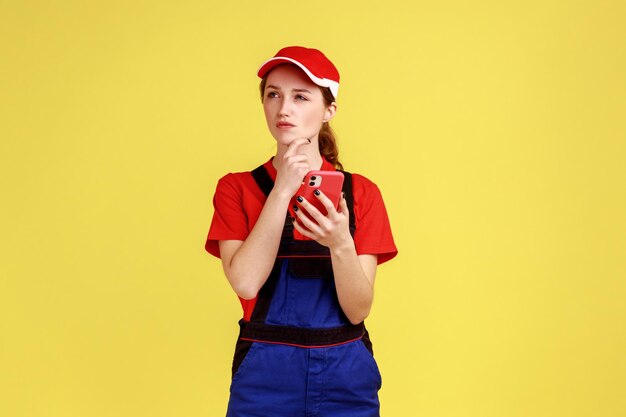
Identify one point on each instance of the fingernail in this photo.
(316, 192)
(300, 199)
(295, 208)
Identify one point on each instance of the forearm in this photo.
(251, 265)
(354, 290)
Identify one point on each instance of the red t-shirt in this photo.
(238, 202)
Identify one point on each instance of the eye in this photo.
(301, 97)
(272, 94)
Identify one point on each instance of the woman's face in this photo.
(294, 106)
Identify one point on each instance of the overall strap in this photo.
(263, 180)
(347, 189)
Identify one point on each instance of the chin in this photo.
(284, 139)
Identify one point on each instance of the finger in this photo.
(313, 226)
(296, 158)
(311, 209)
(293, 146)
(297, 161)
(302, 230)
(297, 165)
(330, 207)
(301, 168)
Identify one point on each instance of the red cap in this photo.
(313, 62)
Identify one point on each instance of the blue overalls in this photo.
(299, 356)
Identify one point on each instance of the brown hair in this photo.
(327, 139)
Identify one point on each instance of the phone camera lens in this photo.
(311, 183)
(313, 178)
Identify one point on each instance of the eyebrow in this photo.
(297, 90)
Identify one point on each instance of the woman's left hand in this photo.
(331, 230)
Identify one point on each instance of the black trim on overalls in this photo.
(306, 258)
(300, 336)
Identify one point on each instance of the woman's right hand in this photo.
(247, 264)
(292, 169)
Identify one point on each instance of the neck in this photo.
(311, 151)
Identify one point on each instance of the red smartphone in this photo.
(328, 182)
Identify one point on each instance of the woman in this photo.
(303, 348)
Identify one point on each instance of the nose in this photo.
(285, 108)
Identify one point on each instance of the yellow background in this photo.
(494, 129)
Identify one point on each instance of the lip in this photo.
(284, 125)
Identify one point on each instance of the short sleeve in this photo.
(229, 218)
(373, 230)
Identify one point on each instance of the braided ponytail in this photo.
(327, 139)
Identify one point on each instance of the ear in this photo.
(330, 112)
